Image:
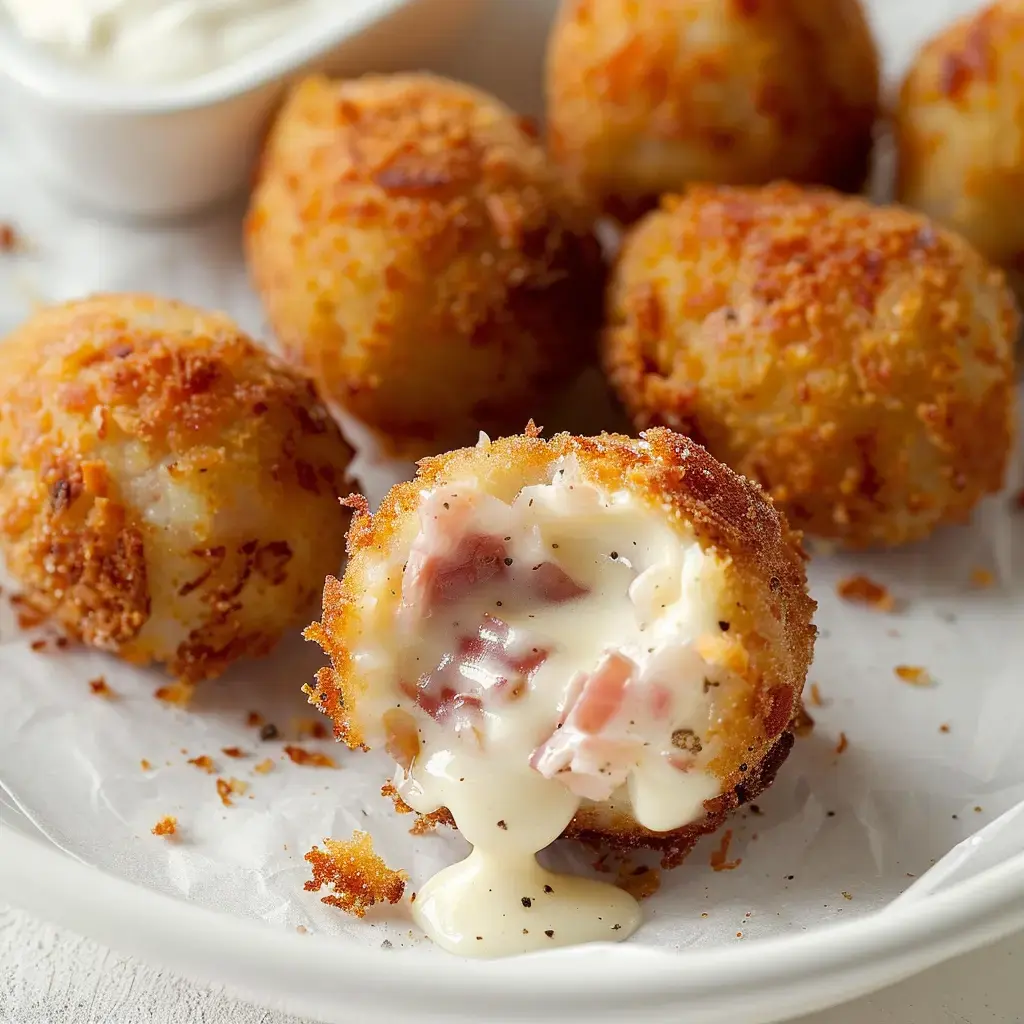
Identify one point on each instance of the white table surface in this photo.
(50, 976)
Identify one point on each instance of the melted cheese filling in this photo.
(547, 658)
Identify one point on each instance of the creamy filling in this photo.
(547, 659)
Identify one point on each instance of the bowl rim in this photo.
(30, 66)
(810, 970)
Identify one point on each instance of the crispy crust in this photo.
(960, 132)
(409, 240)
(644, 97)
(770, 639)
(857, 361)
(146, 452)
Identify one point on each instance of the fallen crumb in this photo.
(704, 914)
(842, 744)
(205, 762)
(179, 693)
(981, 578)
(253, 719)
(803, 724)
(310, 728)
(720, 858)
(10, 240)
(863, 590)
(426, 823)
(166, 826)
(916, 675)
(233, 752)
(269, 732)
(816, 700)
(847, 895)
(311, 757)
(357, 874)
(386, 944)
(145, 765)
(61, 642)
(100, 688)
(977, 810)
(264, 766)
(739, 935)
(301, 929)
(944, 727)
(228, 787)
(640, 882)
(39, 645)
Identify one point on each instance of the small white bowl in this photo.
(159, 151)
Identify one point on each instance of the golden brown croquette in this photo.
(645, 96)
(960, 132)
(612, 514)
(854, 360)
(415, 251)
(168, 489)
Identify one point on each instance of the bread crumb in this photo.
(842, 744)
(264, 766)
(254, 719)
(179, 693)
(803, 724)
(301, 929)
(145, 765)
(720, 858)
(39, 645)
(233, 752)
(981, 578)
(640, 882)
(359, 877)
(228, 787)
(944, 727)
(916, 675)
(847, 895)
(310, 728)
(205, 762)
(311, 757)
(166, 826)
(816, 700)
(100, 688)
(863, 590)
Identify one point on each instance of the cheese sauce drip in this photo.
(547, 659)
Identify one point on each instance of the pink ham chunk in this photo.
(493, 662)
(601, 734)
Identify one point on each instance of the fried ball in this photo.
(854, 360)
(960, 132)
(168, 489)
(621, 626)
(415, 251)
(644, 97)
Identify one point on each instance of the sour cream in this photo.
(153, 41)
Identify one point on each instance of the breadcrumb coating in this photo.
(647, 95)
(416, 252)
(168, 489)
(857, 361)
(960, 132)
(770, 639)
(357, 874)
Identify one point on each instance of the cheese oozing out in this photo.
(546, 657)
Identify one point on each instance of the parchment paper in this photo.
(839, 834)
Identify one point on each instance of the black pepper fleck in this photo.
(547, 888)
(269, 732)
(502, 825)
(614, 555)
(616, 927)
(549, 932)
(723, 625)
(527, 902)
(508, 561)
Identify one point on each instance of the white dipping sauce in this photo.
(580, 588)
(157, 40)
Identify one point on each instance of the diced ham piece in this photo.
(493, 661)
(553, 585)
(601, 735)
(447, 577)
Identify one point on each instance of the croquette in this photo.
(620, 625)
(417, 254)
(644, 97)
(169, 491)
(960, 133)
(856, 361)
